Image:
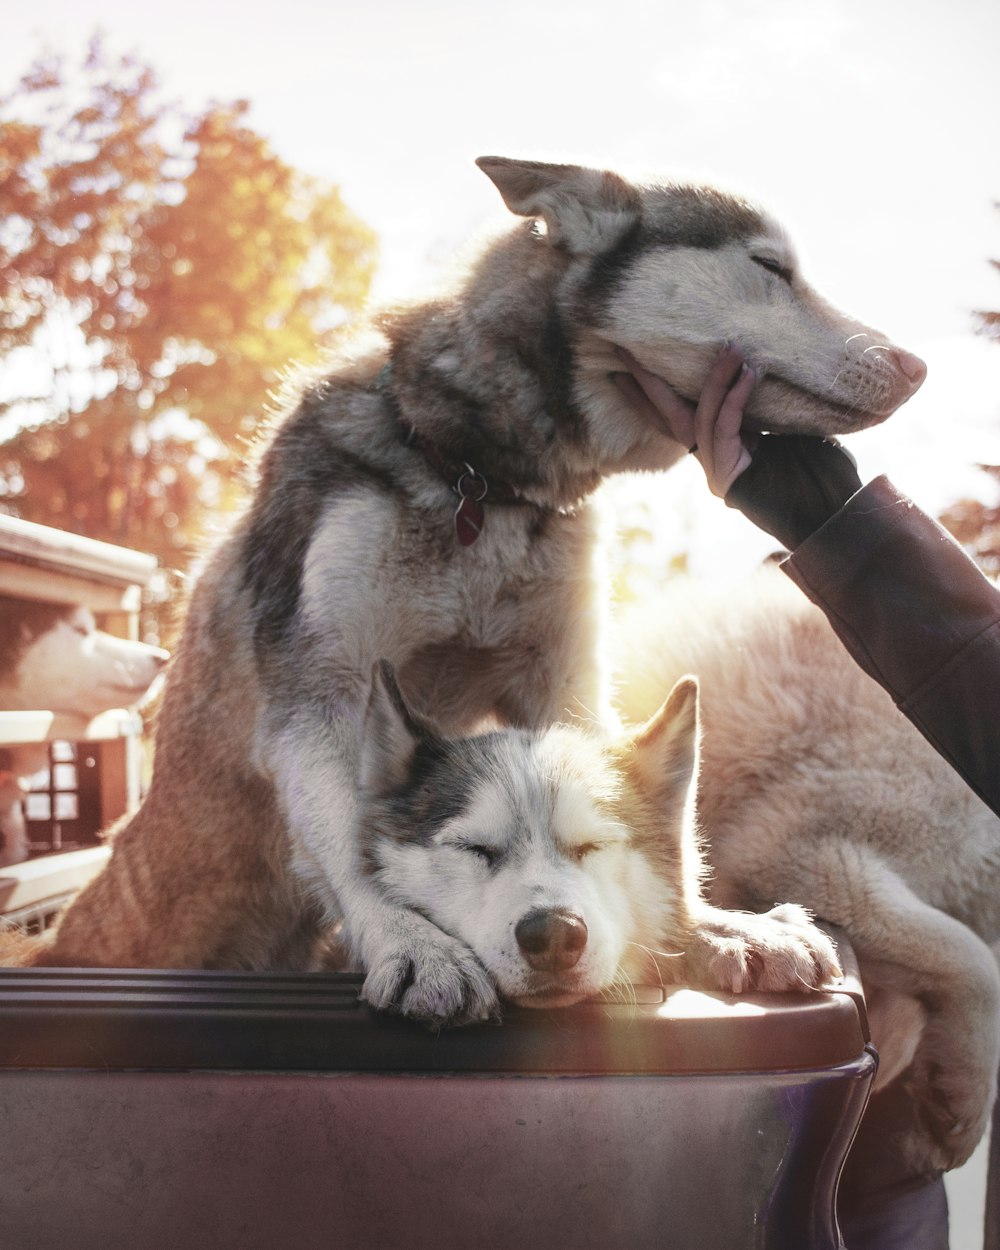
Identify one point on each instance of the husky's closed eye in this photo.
(582, 849)
(488, 854)
(773, 266)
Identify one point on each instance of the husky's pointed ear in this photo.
(664, 755)
(584, 210)
(392, 733)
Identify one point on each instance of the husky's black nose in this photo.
(553, 940)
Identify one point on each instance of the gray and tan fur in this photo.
(248, 844)
(815, 787)
(564, 862)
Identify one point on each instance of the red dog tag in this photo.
(470, 514)
(469, 517)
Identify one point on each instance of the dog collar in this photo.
(473, 489)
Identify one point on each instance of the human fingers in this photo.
(663, 406)
(721, 449)
(721, 377)
(636, 397)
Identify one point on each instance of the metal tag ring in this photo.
(464, 491)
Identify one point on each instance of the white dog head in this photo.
(59, 661)
(517, 843)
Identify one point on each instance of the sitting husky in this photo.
(814, 787)
(559, 863)
(427, 501)
(53, 658)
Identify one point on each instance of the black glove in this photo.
(793, 484)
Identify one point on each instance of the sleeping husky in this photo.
(814, 787)
(560, 863)
(427, 501)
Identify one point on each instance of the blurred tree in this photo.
(157, 272)
(989, 322)
(975, 524)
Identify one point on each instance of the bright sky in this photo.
(869, 126)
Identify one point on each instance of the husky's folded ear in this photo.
(584, 210)
(391, 736)
(664, 756)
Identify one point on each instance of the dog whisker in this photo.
(651, 950)
(654, 956)
(621, 989)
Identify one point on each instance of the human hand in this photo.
(788, 484)
(710, 429)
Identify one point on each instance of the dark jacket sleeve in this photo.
(918, 615)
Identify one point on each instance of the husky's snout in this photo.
(551, 940)
(909, 372)
(912, 367)
(123, 669)
(139, 669)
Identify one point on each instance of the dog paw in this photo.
(952, 1109)
(777, 951)
(436, 981)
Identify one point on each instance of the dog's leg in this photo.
(907, 945)
(412, 966)
(416, 968)
(738, 951)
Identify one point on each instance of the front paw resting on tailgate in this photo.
(431, 977)
(741, 951)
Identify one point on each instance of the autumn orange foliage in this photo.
(158, 271)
